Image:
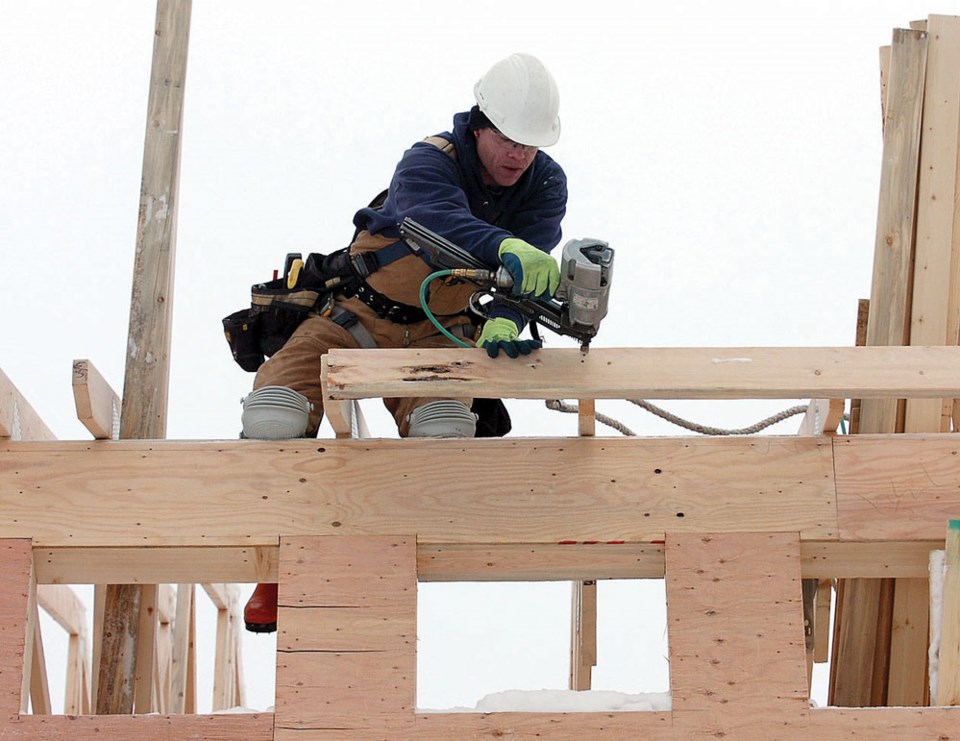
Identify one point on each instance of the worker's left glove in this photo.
(499, 334)
(534, 272)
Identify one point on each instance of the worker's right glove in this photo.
(535, 273)
(501, 333)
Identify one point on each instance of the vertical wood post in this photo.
(864, 606)
(143, 414)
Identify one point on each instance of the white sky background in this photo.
(729, 152)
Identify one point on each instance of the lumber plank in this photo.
(143, 694)
(144, 493)
(886, 723)
(346, 654)
(583, 634)
(538, 562)
(228, 563)
(736, 636)
(15, 580)
(180, 684)
(821, 649)
(648, 373)
(38, 682)
(936, 259)
(98, 405)
(860, 654)
(147, 369)
(908, 644)
(948, 677)
(246, 726)
(536, 726)
(889, 316)
(822, 417)
(587, 417)
(473, 562)
(62, 604)
(866, 559)
(18, 419)
(906, 491)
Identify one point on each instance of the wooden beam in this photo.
(229, 727)
(869, 487)
(145, 492)
(473, 562)
(19, 420)
(98, 405)
(655, 373)
(145, 565)
(538, 562)
(143, 413)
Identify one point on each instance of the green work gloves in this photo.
(535, 273)
(499, 334)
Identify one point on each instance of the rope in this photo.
(560, 406)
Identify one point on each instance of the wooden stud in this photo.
(936, 262)
(36, 676)
(181, 683)
(888, 319)
(908, 646)
(144, 696)
(821, 649)
(948, 676)
(586, 418)
(18, 419)
(98, 405)
(583, 634)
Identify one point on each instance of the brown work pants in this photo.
(297, 364)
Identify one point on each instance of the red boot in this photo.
(260, 614)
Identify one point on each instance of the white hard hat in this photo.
(520, 97)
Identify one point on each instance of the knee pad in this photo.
(442, 418)
(275, 413)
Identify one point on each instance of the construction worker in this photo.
(487, 187)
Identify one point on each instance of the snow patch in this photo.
(565, 701)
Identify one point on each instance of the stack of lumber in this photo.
(881, 625)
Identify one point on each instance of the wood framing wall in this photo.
(349, 526)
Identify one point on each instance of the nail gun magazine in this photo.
(580, 302)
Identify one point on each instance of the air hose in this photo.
(426, 309)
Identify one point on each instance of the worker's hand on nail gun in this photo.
(535, 273)
(501, 334)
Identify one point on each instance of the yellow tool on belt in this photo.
(293, 273)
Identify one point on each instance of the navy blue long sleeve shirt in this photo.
(447, 196)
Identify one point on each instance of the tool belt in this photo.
(277, 308)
